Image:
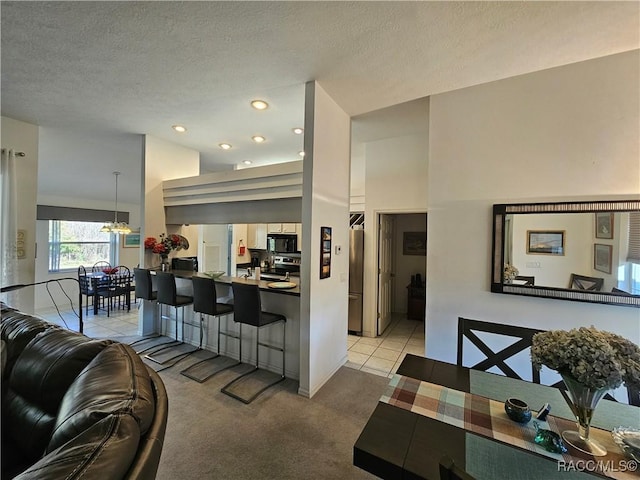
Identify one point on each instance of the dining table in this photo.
(433, 409)
(103, 280)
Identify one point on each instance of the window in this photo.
(72, 244)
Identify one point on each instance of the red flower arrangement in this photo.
(165, 244)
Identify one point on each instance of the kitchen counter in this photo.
(263, 285)
(285, 302)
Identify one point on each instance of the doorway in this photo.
(402, 267)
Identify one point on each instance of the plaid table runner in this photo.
(487, 418)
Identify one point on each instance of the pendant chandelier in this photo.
(115, 226)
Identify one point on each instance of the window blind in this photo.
(634, 238)
(71, 214)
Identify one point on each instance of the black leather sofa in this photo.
(75, 407)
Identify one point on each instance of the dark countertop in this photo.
(263, 285)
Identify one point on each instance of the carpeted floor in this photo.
(281, 435)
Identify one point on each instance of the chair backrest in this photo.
(522, 335)
(205, 297)
(100, 266)
(166, 283)
(582, 282)
(529, 280)
(144, 286)
(450, 471)
(84, 281)
(247, 306)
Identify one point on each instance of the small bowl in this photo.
(517, 410)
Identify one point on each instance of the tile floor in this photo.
(119, 323)
(380, 356)
(383, 355)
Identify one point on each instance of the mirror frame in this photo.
(500, 211)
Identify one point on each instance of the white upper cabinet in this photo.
(257, 236)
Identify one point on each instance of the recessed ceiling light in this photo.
(259, 104)
(301, 153)
(224, 146)
(179, 128)
(247, 162)
(258, 138)
(297, 130)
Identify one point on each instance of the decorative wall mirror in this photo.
(582, 251)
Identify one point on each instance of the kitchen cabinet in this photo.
(282, 227)
(257, 236)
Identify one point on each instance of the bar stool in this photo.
(205, 302)
(247, 310)
(144, 290)
(167, 295)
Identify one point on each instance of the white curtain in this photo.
(9, 222)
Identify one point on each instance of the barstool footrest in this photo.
(230, 362)
(180, 354)
(226, 389)
(158, 346)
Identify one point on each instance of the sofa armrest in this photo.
(145, 463)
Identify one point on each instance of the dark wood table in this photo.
(400, 444)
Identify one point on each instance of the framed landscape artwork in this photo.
(414, 243)
(545, 242)
(602, 257)
(131, 240)
(604, 225)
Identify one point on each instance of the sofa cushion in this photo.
(104, 451)
(116, 381)
(17, 330)
(38, 381)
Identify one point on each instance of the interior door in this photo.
(385, 270)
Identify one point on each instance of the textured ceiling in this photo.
(140, 67)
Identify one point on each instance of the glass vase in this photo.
(583, 403)
(164, 263)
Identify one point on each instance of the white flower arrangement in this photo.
(510, 272)
(595, 358)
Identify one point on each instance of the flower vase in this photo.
(583, 403)
(164, 263)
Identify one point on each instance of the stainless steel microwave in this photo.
(280, 243)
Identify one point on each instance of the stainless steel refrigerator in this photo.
(356, 279)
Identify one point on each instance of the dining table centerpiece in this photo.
(590, 362)
(165, 244)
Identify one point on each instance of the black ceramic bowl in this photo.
(517, 410)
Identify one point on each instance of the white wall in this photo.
(325, 203)
(395, 182)
(23, 137)
(165, 161)
(568, 133)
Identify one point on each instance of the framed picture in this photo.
(545, 242)
(414, 243)
(604, 225)
(602, 257)
(325, 252)
(131, 240)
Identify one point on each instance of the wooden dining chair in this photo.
(522, 337)
(529, 280)
(583, 282)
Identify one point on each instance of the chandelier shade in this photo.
(115, 226)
